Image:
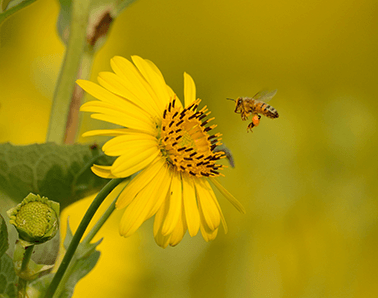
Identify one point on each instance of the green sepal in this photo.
(33, 269)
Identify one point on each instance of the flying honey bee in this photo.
(246, 106)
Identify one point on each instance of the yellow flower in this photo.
(169, 147)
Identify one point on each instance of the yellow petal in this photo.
(154, 79)
(170, 91)
(135, 82)
(138, 183)
(152, 66)
(160, 239)
(208, 236)
(129, 118)
(190, 206)
(106, 132)
(121, 86)
(228, 196)
(102, 171)
(162, 211)
(160, 215)
(179, 231)
(173, 95)
(175, 205)
(139, 209)
(214, 198)
(207, 207)
(133, 161)
(108, 97)
(129, 109)
(189, 90)
(162, 192)
(123, 120)
(131, 142)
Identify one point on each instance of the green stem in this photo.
(27, 256)
(101, 221)
(24, 266)
(79, 233)
(86, 241)
(69, 71)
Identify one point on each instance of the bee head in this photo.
(238, 105)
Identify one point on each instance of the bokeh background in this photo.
(307, 179)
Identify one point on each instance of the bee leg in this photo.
(255, 121)
(250, 126)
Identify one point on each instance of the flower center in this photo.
(186, 143)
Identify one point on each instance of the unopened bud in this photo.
(35, 218)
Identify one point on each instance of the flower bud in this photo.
(35, 218)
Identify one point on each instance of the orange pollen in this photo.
(185, 141)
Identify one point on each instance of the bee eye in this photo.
(239, 101)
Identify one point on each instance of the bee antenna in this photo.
(230, 99)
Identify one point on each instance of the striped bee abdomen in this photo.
(266, 110)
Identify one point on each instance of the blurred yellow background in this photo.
(307, 179)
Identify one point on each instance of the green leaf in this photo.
(3, 236)
(8, 278)
(84, 249)
(7, 8)
(59, 172)
(5, 204)
(80, 269)
(38, 287)
(69, 235)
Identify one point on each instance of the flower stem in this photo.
(69, 71)
(79, 233)
(24, 266)
(101, 221)
(27, 256)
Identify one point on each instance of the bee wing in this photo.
(264, 95)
